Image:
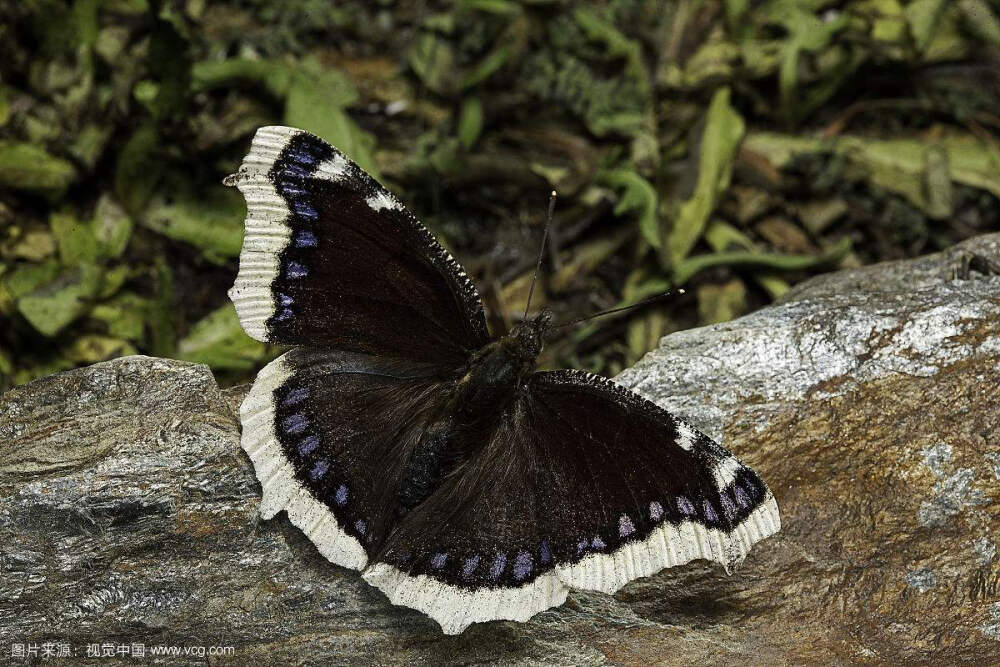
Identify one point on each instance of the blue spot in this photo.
(728, 508)
(710, 512)
(283, 315)
(522, 565)
(283, 299)
(319, 470)
(341, 496)
(581, 545)
(294, 171)
(655, 511)
(296, 270)
(438, 560)
(308, 445)
(295, 424)
(625, 526)
(685, 506)
(301, 156)
(305, 239)
(499, 563)
(543, 552)
(304, 210)
(296, 395)
(598, 543)
(290, 189)
(470, 566)
(742, 499)
(360, 526)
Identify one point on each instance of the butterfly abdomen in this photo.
(480, 398)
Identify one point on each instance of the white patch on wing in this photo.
(335, 169)
(725, 471)
(281, 490)
(686, 436)
(266, 233)
(381, 200)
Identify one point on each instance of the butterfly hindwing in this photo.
(585, 485)
(331, 258)
(328, 432)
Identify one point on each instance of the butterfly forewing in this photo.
(331, 258)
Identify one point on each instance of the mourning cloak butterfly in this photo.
(407, 443)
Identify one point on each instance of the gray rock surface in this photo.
(867, 399)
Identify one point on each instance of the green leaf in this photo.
(692, 265)
(899, 165)
(486, 67)
(316, 101)
(91, 348)
(720, 140)
(616, 44)
(139, 168)
(981, 20)
(124, 316)
(432, 58)
(52, 306)
(274, 77)
(112, 227)
(27, 167)
(211, 220)
(26, 277)
(638, 196)
(219, 341)
(470, 121)
(923, 16)
(4, 106)
(75, 239)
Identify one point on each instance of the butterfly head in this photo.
(528, 336)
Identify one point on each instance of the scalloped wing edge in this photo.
(281, 490)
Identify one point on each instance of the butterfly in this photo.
(409, 444)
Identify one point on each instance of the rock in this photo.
(867, 399)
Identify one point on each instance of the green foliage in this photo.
(730, 147)
(719, 142)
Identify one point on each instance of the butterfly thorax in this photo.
(487, 386)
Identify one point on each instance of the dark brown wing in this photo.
(329, 433)
(584, 485)
(330, 258)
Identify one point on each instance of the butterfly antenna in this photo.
(637, 304)
(541, 252)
